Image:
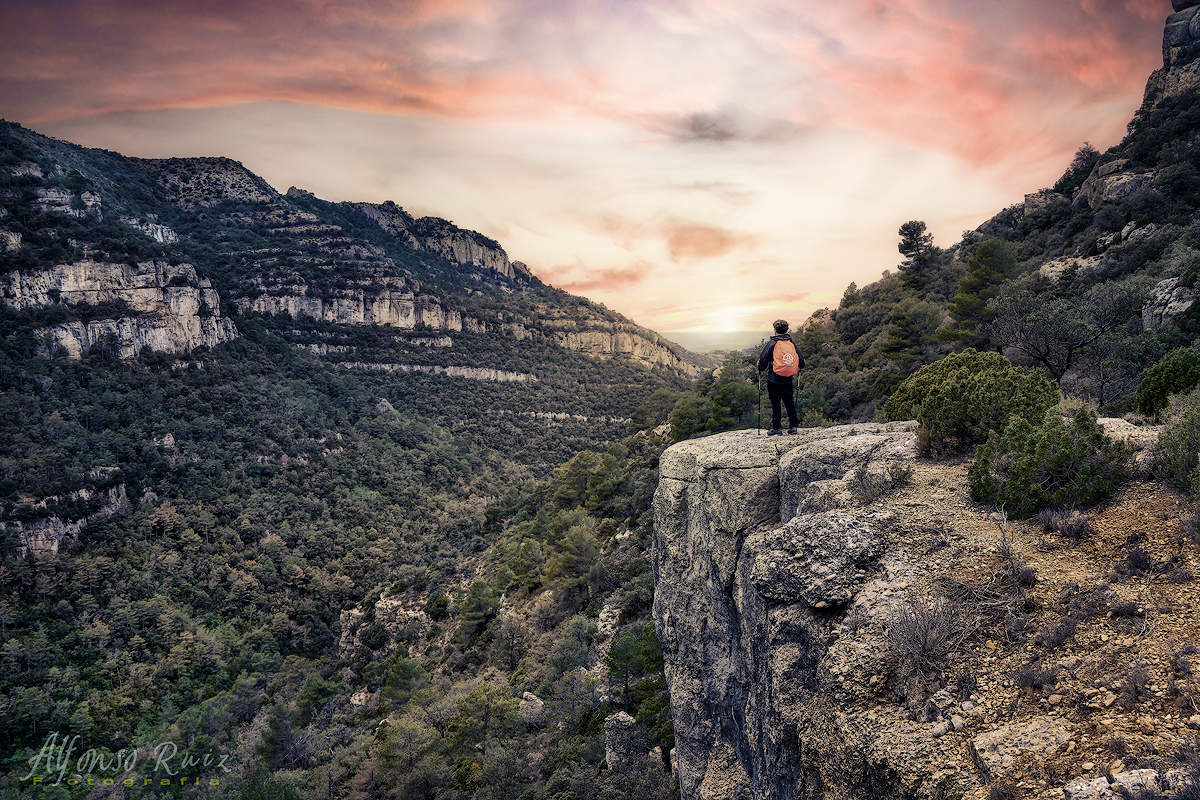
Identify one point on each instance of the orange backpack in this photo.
(784, 359)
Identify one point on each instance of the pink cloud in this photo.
(691, 241)
(938, 73)
(968, 78)
(672, 134)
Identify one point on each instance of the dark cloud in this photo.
(707, 128)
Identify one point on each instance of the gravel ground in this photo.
(1117, 694)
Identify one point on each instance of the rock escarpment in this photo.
(171, 309)
(436, 235)
(783, 582)
(1117, 180)
(41, 532)
(393, 300)
(743, 602)
(335, 278)
(1181, 52)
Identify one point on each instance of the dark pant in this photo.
(778, 392)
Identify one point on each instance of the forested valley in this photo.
(314, 573)
(278, 565)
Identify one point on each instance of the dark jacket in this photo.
(766, 360)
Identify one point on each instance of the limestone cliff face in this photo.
(436, 235)
(606, 340)
(46, 534)
(175, 309)
(64, 201)
(780, 573)
(391, 300)
(742, 604)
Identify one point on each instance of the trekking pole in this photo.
(761, 377)
(760, 383)
(794, 400)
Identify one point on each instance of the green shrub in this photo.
(375, 636)
(1027, 468)
(959, 400)
(1175, 373)
(906, 401)
(1175, 458)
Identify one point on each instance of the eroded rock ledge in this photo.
(780, 566)
(746, 604)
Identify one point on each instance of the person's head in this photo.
(781, 326)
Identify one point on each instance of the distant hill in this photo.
(717, 341)
(170, 255)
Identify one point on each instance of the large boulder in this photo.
(1168, 298)
(623, 742)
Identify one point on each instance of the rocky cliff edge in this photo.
(781, 564)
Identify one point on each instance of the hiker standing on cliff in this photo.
(782, 361)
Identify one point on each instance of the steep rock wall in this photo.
(741, 609)
(779, 572)
(45, 535)
(175, 309)
(396, 308)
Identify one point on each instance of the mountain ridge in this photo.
(287, 259)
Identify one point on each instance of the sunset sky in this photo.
(693, 164)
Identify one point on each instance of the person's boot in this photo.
(775, 432)
(793, 430)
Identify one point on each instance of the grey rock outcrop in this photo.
(1167, 298)
(740, 604)
(64, 201)
(1001, 747)
(532, 709)
(1113, 182)
(46, 534)
(174, 309)
(623, 742)
(1055, 268)
(157, 232)
(1038, 200)
(1123, 784)
(1180, 72)
(778, 580)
